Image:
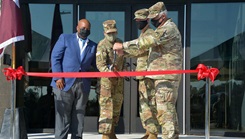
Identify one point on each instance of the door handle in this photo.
(127, 64)
(135, 79)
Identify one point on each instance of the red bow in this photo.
(204, 72)
(12, 74)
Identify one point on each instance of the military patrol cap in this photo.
(141, 14)
(155, 9)
(110, 26)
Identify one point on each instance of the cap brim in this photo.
(152, 15)
(140, 18)
(111, 30)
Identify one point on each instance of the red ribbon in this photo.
(108, 74)
(201, 69)
(12, 74)
(204, 72)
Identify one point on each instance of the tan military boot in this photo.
(106, 136)
(147, 133)
(113, 135)
(152, 136)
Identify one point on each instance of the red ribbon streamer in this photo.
(12, 74)
(202, 70)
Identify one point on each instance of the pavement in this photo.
(122, 136)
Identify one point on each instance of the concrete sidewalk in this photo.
(120, 136)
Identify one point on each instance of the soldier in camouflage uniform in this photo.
(165, 54)
(146, 93)
(111, 89)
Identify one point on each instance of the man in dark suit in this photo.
(72, 53)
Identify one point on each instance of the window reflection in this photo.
(218, 40)
(38, 96)
(39, 107)
(41, 21)
(97, 18)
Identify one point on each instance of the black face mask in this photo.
(141, 24)
(84, 33)
(155, 23)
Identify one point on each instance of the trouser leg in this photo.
(148, 105)
(106, 106)
(63, 107)
(78, 112)
(111, 99)
(166, 97)
(117, 96)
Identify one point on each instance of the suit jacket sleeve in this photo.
(57, 56)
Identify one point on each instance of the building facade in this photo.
(212, 34)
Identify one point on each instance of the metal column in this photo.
(207, 109)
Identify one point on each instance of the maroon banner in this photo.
(1, 52)
(11, 29)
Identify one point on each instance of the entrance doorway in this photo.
(123, 14)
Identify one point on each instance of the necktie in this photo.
(83, 44)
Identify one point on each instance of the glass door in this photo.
(123, 14)
(176, 12)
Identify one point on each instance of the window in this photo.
(218, 40)
(38, 96)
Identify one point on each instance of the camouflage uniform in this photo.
(147, 102)
(111, 89)
(165, 53)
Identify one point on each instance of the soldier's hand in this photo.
(60, 84)
(113, 68)
(117, 46)
(120, 52)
